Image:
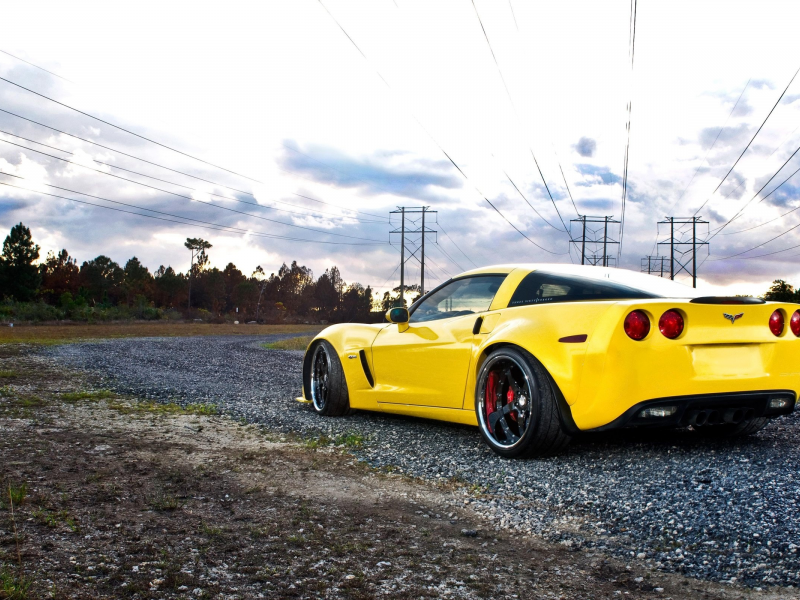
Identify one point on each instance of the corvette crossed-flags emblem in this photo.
(732, 318)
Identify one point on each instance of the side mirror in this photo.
(397, 315)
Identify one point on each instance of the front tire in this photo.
(328, 385)
(516, 406)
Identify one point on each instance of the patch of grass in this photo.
(49, 335)
(351, 440)
(29, 401)
(87, 395)
(13, 586)
(317, 442)
(164, 501)
(53, 519)
(201, 409)
(5, 391)
(8, 374)
(17, 493)
(169, 408)
(295, 343)
(209, 530)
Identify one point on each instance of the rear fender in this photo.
(551, 333)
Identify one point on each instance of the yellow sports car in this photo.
(533, 354)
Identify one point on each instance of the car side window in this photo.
(463, 296)
(541, 287)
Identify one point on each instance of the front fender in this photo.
(347, 339)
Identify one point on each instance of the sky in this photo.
(313, 121)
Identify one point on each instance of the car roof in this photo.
(641, 281)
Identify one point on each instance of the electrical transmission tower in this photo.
(681, 246)
(412, 223)
(593, 240)
(655, 264)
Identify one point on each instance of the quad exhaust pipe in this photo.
(732, 416)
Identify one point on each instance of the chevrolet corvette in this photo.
(535, 354)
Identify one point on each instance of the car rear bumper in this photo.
(705, 409)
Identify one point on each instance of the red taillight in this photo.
(794, 323)
(637, 325)
(671, 324)
(776, 322)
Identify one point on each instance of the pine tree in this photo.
(19, 277)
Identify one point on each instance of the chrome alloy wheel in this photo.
(505, 401)
(320, 372)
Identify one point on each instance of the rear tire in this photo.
(739, 430)
(328, 386)
(515, 402)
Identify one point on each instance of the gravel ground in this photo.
(724, 510)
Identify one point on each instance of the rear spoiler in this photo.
(728, 300)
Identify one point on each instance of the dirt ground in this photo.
(116, 498)
(49, 333)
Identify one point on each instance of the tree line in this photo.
(101, 288)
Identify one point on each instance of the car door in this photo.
(425, 362)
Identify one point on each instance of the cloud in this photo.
(760, 84)
(734, 187)
(595, 175)
(586, 147)
(728, 136)
(791, 98)
(383, 172)
(786, 196)
(603, 205)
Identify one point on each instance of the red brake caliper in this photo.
(491, 391)
(510, 398)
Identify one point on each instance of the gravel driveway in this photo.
(715, 509)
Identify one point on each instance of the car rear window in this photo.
(541, 287)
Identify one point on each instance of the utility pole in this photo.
(414, 228)
(422, 262)
(583, 241)
(402, 254)
(679, 248)
(595, 238)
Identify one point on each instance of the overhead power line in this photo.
(761, 189)
(37, 66)
(227, 187)
(133, 133)
(764, 122)
(514, 107)
(226, 208)
(266, 207)
(184, 221)
(714, 143)
(452, 241)
(438, 145)
(528, 203)
(760, 201)
(632, 43)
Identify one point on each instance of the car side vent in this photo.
(365, 366)
(727, 300)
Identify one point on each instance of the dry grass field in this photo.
(59, 334)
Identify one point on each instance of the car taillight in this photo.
(671, 324)
(794, 323)
(776, 322)
(637, 325)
